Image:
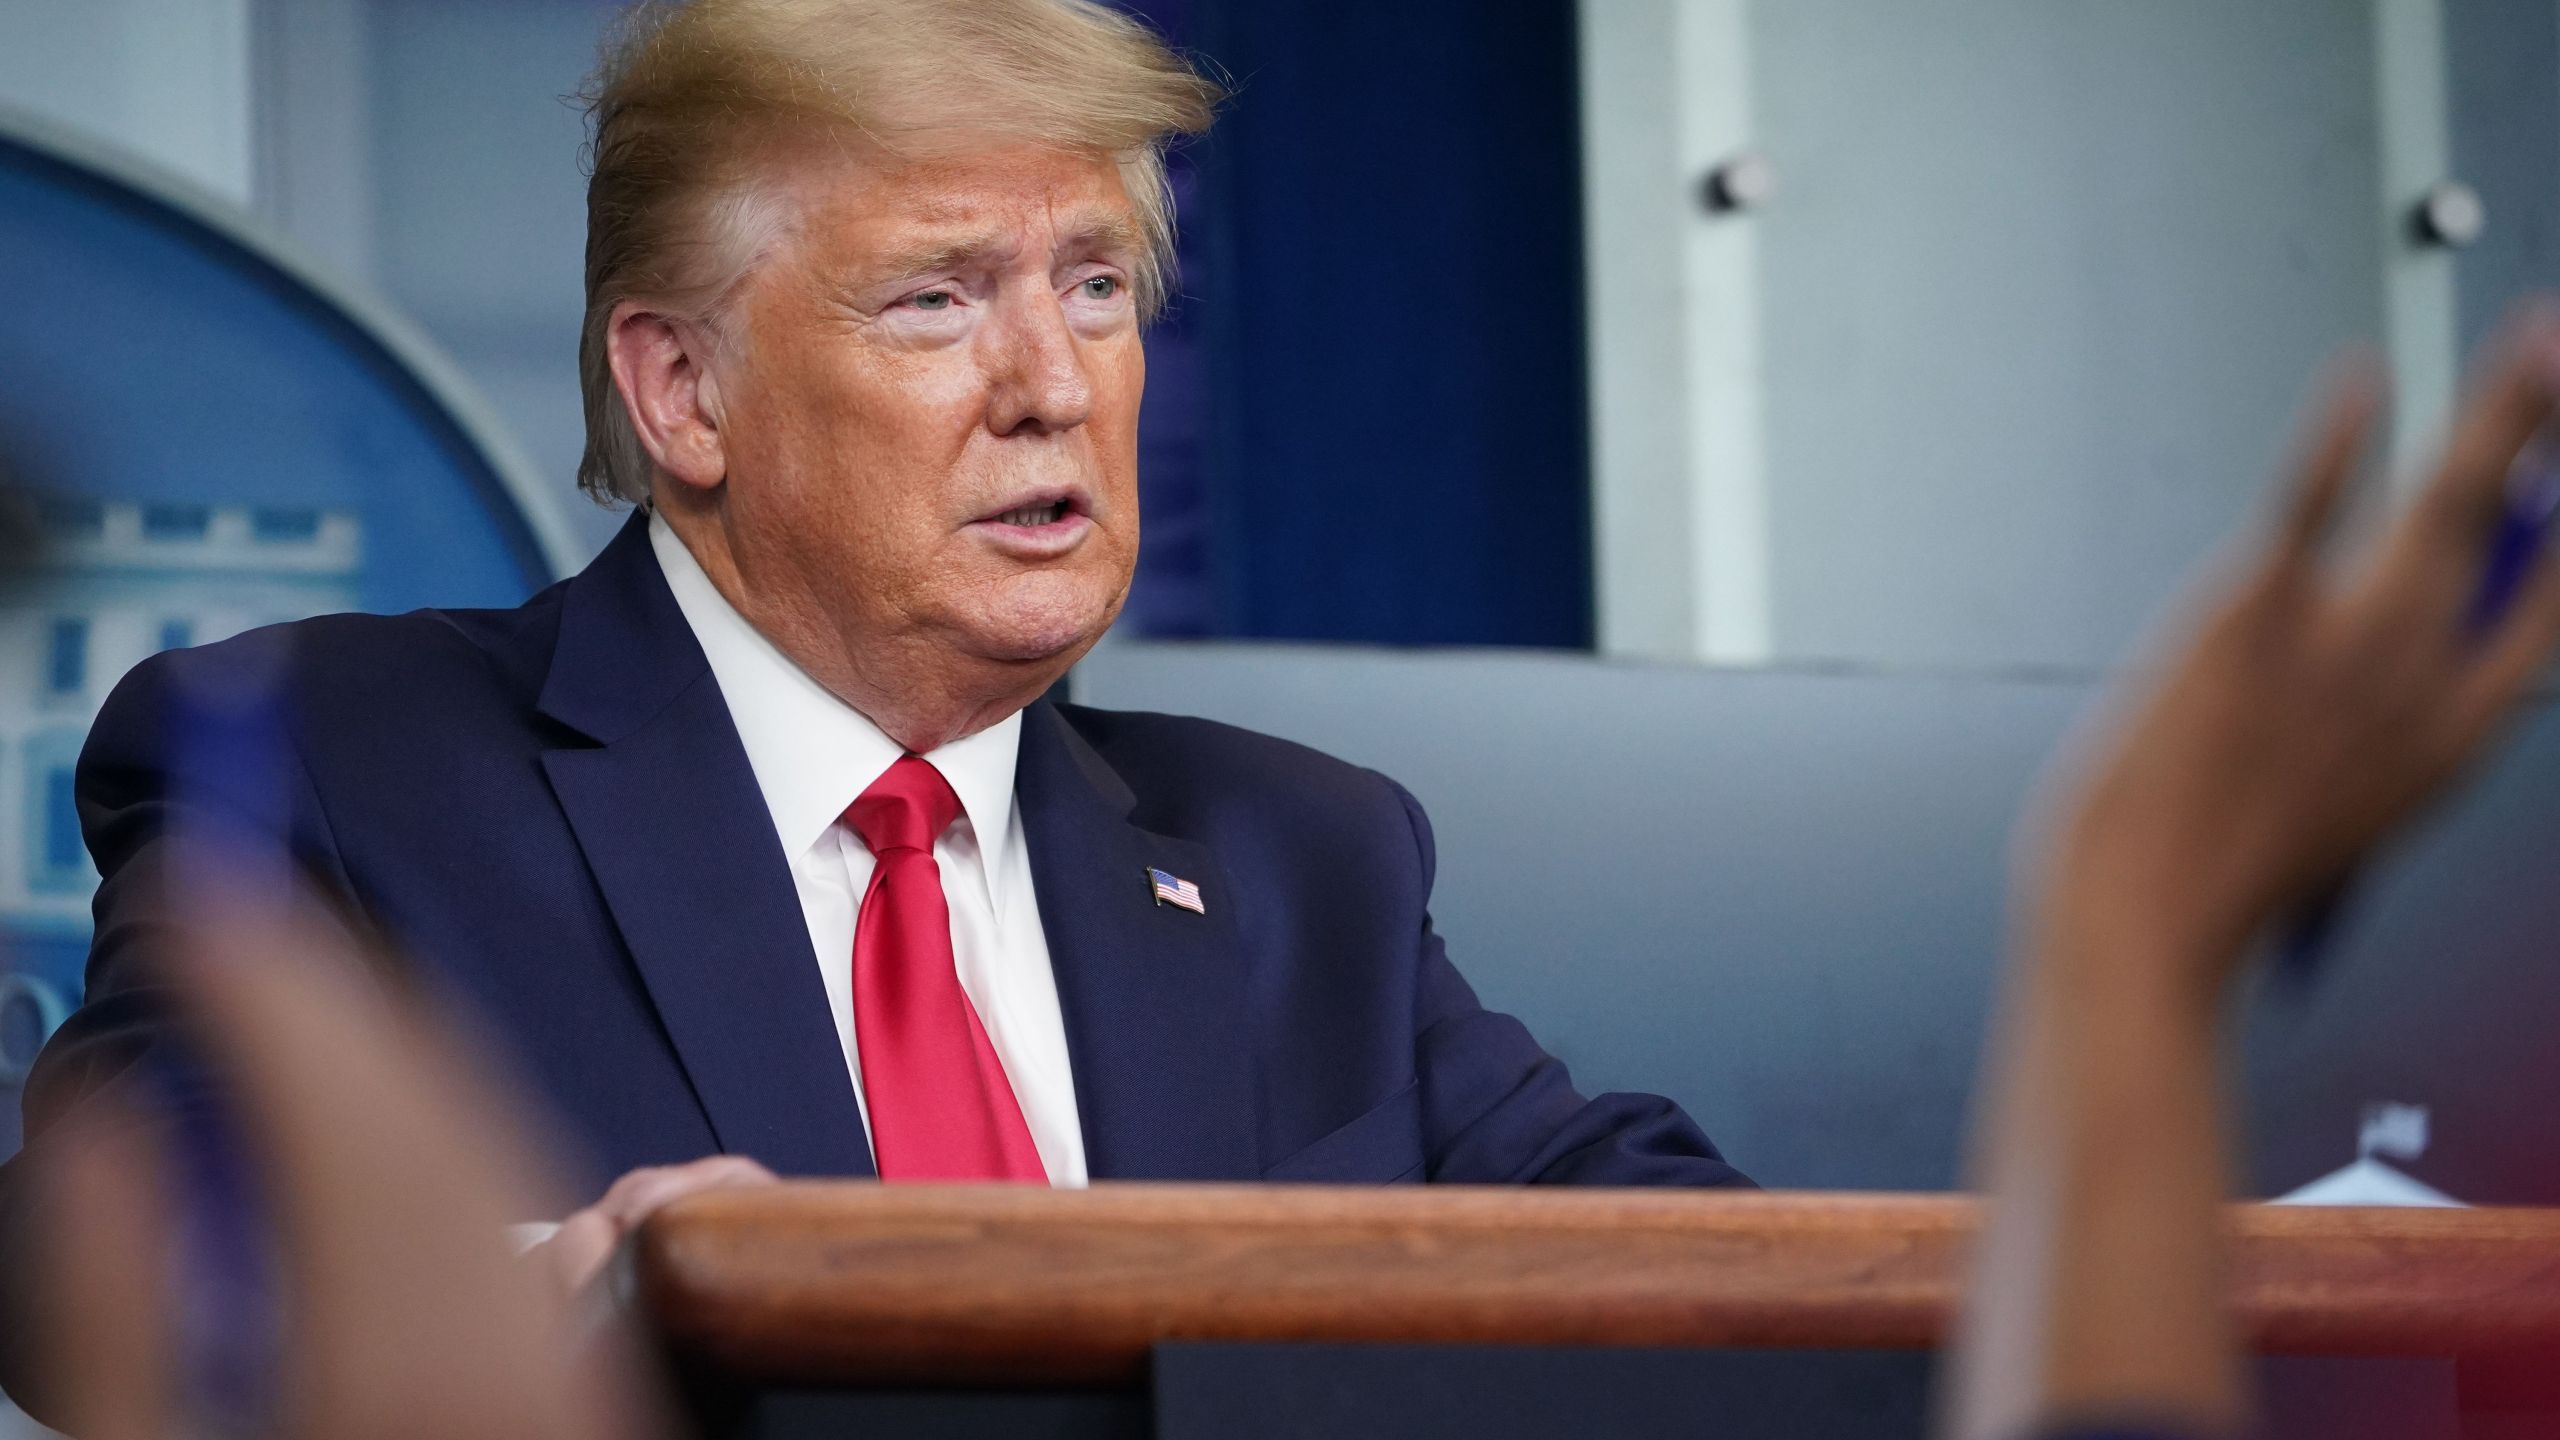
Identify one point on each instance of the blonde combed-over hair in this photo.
(691, 97)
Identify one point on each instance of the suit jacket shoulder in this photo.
(1192, 776)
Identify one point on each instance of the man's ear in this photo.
(660, 367)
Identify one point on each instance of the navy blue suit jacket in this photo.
(548, 810)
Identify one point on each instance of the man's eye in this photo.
(932, 300)
(1102, 287)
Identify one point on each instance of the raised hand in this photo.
(2318, 705)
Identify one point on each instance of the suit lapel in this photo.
(1153, 995)
(666, 809)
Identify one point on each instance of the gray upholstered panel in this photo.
(1778, 897)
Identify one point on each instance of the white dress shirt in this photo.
(813, 755)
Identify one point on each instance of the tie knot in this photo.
(905, 809)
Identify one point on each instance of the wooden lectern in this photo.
(846, 1289)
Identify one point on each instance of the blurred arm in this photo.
(2309, 711)
(144, 800)
(389, 1159)
(2097, 1291)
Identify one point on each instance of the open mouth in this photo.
(1034, 516)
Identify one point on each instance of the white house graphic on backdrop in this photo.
(122, 581)
(2389, 1132)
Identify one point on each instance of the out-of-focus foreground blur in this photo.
(1708, 450)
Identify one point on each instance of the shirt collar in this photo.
(813, 754)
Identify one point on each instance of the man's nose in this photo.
(1037, 374)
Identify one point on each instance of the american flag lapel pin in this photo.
(1172, 889)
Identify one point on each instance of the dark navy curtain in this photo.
(1366, 416)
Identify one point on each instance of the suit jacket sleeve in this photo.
(242, 787)
(1497, 1109)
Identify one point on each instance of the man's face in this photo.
(930, 411)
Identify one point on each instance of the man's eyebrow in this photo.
(928, 256)
(1106, 232)
(1100, 233)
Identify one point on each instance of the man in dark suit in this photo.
(757, 839)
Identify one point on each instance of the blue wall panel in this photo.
(1389, 295)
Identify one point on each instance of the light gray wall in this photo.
(2041, 289)
(169, 80)
(2503, 57)
(479, 205)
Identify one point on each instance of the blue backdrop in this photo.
(1366, 415)
(215, 445)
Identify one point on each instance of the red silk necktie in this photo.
(941, 1108)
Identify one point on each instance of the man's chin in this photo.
(1045, 622)
(1032, 640)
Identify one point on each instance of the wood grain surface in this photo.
(854, 1283)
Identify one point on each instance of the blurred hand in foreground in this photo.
(390, 1166)
(2310, 708)
(2316, 706)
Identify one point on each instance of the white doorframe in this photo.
(2419, 302)
(1680, 519)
